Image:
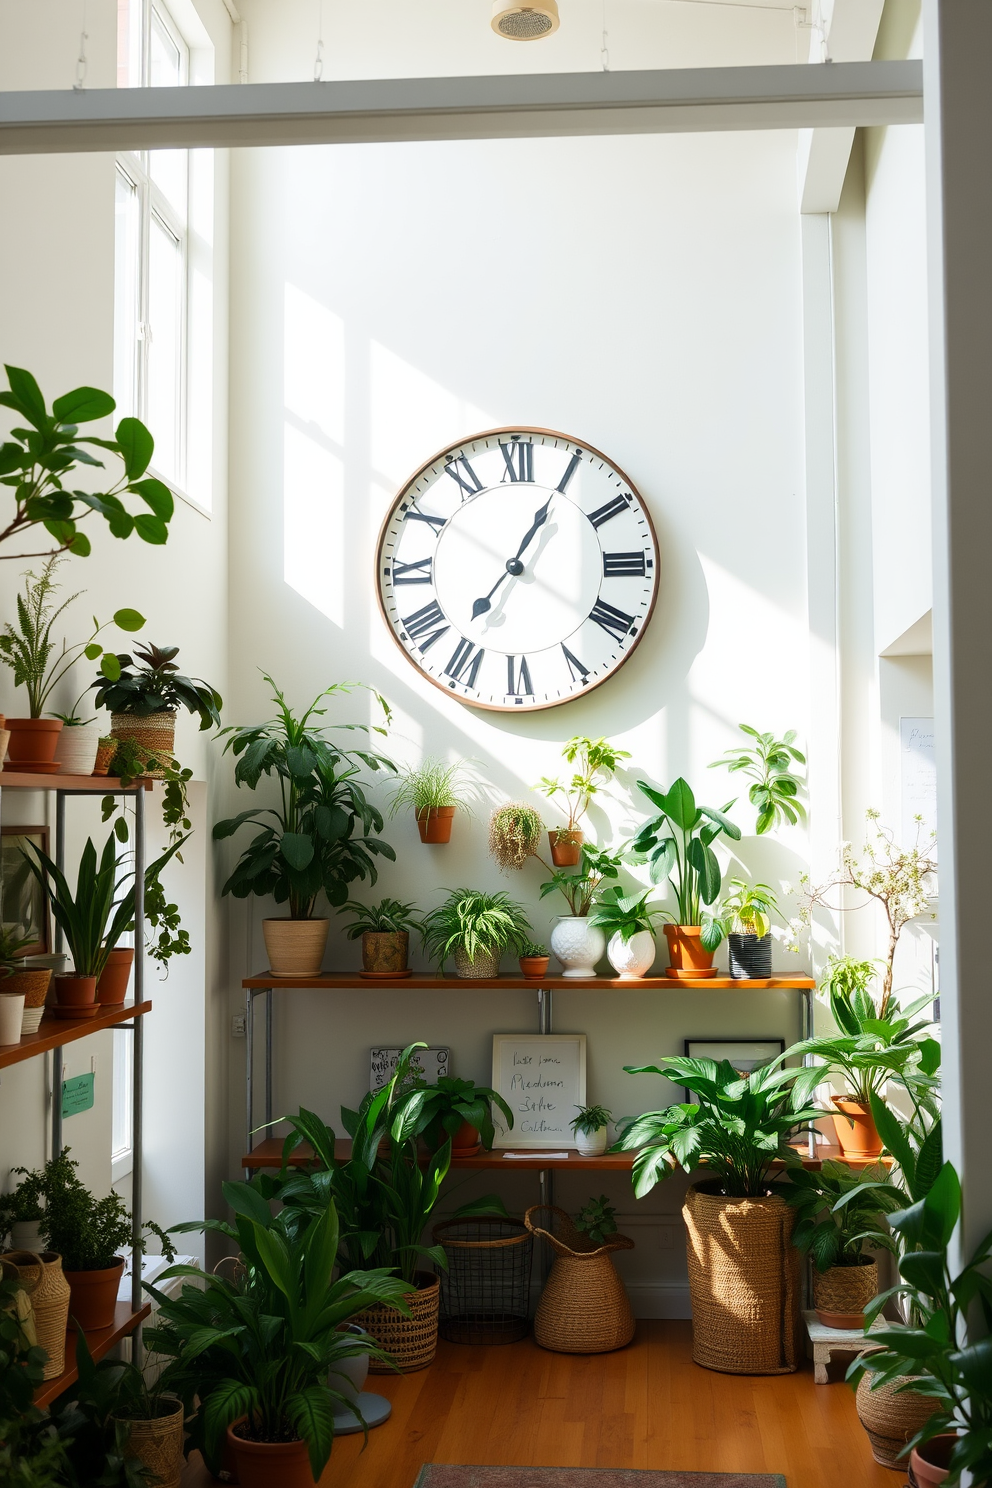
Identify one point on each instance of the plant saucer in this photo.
(386, 976)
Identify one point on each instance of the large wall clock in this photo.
(518, 569)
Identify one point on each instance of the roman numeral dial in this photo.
(517, 570)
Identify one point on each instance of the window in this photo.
(121, 1155)
(152, 219)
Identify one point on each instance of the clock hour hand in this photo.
(513, 566)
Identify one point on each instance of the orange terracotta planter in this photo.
(466, 1142)
(269, 1464)
(534, 967)
(115, 978)
(857, 1134)
(566, 848)
(75, 997)
(686, 954)
(93, 1296)
(32, 744)
(929, 1462)
(435, 825)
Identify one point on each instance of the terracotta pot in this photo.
(929, 1463)
(104, 755)
(892, 1416)
(33, 982)
(93, 1296)
(687, 957)
(75, 997)
(566, 848)
(534, 967)
(466, 1142)
(155, 734)
(384, 950)
(857, 1134)
(11, 1016)
(4, 739)
(841, 1293)
(111, 989)
(269, 1464)
(76, 749)
(32, 743)
(295, 947)
(435, 825)
(158, 1442)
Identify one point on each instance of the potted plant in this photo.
(534, 960)
(575, 939)
(598, 1218)
(317, 840)
(679, 844)
(743, 1268)
(106, 747)
(385, 931)
(583, 1308)
(455, 1109)
(145, 696)
(29, 649)
(434, 790)
(36, 464)
(591, 1128)
(768, 763)
(870, 1048)
(833, 1235)
(626, 921)
(514, 834)
(475, 928)
(745, 917)
(22, 1212)
(595, 760)
(251, 1351)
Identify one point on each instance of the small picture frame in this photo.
(23, 903)
(744, 1054)
(427, 1064)
(542, 1078)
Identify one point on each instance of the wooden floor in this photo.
(645, 1406)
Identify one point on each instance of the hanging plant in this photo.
(514, 835)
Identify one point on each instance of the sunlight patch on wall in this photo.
(412, 416)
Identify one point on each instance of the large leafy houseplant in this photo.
(473, 924)
(775, 788)
(318, 839)
(678, 843)
(36, 463)
(579, 887)
(95, 1421)
(156, 685)
(439, 1111)
(833, 1233)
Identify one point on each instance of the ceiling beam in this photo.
(678, 100)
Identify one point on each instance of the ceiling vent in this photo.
(524, 22)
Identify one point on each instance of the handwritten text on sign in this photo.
(542, 1078)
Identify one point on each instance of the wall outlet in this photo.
(238, 1025)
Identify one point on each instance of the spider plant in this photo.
(474, 922)
(430, 786)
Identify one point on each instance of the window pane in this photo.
(123, 1065)
(165, 316)
(129, 43)
(169, 69)
(166, 55)
(126, 309)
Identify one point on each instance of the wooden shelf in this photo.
(268, 1154)
(54, 1032)
(351, 980)
(18, 780)
(100, 1343)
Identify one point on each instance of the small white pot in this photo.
(634, 957)
(578, 945)
(11, 1014)
(31, 1019)
(349, 1375)
(26, 1234)
(592, 1144)
(76, 748)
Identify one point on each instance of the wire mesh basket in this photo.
(485, 1292)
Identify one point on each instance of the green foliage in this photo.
(776, 789)
(12, 948)
(579, 887)
(623, 914)
(590, 1119)
(31, 1455)
(832, 1235)
(514, 834)
(595, 761)
(429, 786)
(598, 1220)
(36, 462)
(530, 948)
(388, 917)
(157, 687)
(94, 1423)
(438, 1110)
(472, 921)
(308, 844)
(678, 843)
(738, 1124)
(749, 909)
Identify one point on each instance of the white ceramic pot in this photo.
(31, 1019)
(27, 1234)
(578, 945)
(634, 957)
(592, 1144)
(349, 1375)
(11, 1015)
(76, 749)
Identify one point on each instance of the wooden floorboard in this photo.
(645, 1406)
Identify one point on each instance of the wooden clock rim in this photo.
(470, 439)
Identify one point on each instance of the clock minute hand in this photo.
(540, 517)
(513, 565)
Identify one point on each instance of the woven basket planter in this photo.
(844, 1292)
(892, 1417)
(155, 733)
(45, 1283)
(483, 964)
(34, 983)
(744, 1281)
(410, 1342)
(385, 950)
(584, 1308)
(158, 1443)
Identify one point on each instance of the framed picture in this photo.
(542, 1078)
(23, 906)
(744, 1054)
(427, 1064)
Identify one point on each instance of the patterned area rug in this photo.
(437, 1475)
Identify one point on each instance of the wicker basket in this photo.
(584, 1308)
(158, 1444)
(744, 1283)
(485, 1292)
(20, 1307)
(33, 982)
(845, 1289)
(482, 964)
(892, 1417)
(48, 1289)
(155, 733)
(410, 1342)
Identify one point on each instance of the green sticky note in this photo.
(77, 1095)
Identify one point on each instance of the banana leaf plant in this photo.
(678, 843)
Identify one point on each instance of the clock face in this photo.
(517, 570)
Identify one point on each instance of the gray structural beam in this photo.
(678, 100)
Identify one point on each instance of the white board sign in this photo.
(542, 1078)
(918, 777)
(427, 1064)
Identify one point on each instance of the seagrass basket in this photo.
(158, 1444)
(411, 1343)
(45, 1283)
(845, 1289)
(744, 1282)
(154, 733)
(892, 1417)
(584, 1308)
